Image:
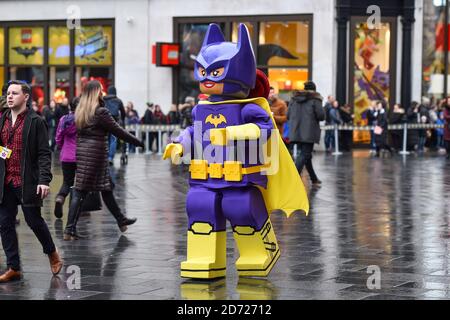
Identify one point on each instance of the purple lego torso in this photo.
(210, 116)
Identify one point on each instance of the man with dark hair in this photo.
(61, 110)
(25, 174)
(304, 114)
(117, 110)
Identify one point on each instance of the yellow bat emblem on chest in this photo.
(215, 120)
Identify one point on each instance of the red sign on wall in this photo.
(166, 54)
(26, 36)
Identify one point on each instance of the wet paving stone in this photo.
(391, 213)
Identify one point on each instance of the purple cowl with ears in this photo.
(237, 59)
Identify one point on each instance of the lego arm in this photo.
(182, 143)
(256, 120)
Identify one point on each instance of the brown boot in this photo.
(10, 275)
(55, 262)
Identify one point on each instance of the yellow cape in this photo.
(285, 190)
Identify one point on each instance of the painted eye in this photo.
(202, 72)
(217, 72)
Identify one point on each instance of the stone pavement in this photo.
(392, 214)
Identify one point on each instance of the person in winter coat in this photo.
(346, 135)
(94, 122)
(49, 116)
(66, 140)
(447, 127)
(397, 116)
(117, 110)
(440, 131)
(370, 121)
(279, 110)
(381, 129)
(304, 114)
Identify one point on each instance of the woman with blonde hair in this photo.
(94, 122)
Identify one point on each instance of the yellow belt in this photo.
(230, 170)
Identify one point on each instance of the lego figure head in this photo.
(226, 68)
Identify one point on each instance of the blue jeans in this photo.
(422, 140)
(373, 145)
(112, 147)
(329, 139)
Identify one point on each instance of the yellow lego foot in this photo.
(258, 250)
(206, 256)
(256, 268)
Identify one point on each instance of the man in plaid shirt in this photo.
(25, 175)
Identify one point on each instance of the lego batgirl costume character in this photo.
(232, 177)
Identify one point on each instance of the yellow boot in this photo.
(258, 250)
(206, 253)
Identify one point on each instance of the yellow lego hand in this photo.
(218, 136)
(174, 151)
(249, 131)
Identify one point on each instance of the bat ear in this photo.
(213, 35)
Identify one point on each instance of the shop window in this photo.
(93, 45)
(58, 46)
(34, 76)
(59, 85)
(234, 33)
(2, 56)
(2, 46)
(283, 43)
(85, 74)
(284, 80)
(26, 46)
(2, 76)
(433, 49)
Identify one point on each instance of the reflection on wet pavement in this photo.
(391, 213)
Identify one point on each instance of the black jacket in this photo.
(115, 107)
(36, 158)
(304, 114)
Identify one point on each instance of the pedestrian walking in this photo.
(25, 171)
(94, 122)
(305, 111)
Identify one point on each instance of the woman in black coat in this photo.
(94, 122)
(381, 129)
(397, 117)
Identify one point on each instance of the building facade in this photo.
(329, 41)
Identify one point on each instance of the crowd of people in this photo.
(377, 115)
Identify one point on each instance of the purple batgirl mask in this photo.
(232, 64)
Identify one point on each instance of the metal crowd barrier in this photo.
(403, 126)
(147, 128)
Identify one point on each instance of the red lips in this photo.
(209, 84)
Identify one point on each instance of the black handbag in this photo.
(92, 202)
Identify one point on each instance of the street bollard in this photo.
(336, 141)
(405, 139)
(147, 142)
(137, 129)
(159, 142)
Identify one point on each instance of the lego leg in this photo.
(206, 238)
(252, 231)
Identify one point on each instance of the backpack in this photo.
(113, 105)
